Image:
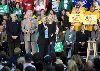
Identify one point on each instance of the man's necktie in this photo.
(30, 24)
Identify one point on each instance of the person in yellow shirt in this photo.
(92, 11)
(78, 9)
(79, 6)
(97, 7)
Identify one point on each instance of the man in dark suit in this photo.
(13, 29)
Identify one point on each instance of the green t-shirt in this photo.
(18, 12)
(4, 9)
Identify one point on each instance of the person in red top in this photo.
(28, 5)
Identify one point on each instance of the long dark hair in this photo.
(18, 4)
(94, 28)
(52, 11)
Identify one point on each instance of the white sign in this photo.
(55, 6)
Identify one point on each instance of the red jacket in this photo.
(28, 5)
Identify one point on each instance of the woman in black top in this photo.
(43, 39)
(52, 31)
(65, 20)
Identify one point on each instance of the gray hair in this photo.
(21, 60)
(30, 12)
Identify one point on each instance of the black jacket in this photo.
(82, 37)
(41, 30)
(13, 29)
(52, 30)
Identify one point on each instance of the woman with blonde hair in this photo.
(43, 39)
(52, 32)
(78, 61)
(72, 66)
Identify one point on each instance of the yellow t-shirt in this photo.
(78, 25)
(89, 27)
(82, 10)
(93, 13)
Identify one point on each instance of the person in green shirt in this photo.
(18, 11)
(4, 8)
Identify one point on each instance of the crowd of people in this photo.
(48, 40)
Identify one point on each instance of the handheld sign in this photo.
(90, 19)
(4, 9)
(76, 18)
(58, 47)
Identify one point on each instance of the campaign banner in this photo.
(58, 47)
(65, 4)
(76, 18)
(90, 19)
(97, 8)
(4, 9)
